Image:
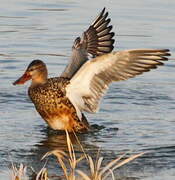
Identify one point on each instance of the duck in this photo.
(93, 66)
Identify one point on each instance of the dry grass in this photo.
(64, 158)
(19, 173)
(68, 162)
(97, 172)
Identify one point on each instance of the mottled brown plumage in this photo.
(54, 107)
(49, 97)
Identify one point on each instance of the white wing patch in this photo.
(92, 80)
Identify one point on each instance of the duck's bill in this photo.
(25, 77)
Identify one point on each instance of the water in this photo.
(142, 108)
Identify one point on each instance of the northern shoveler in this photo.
(62, 100)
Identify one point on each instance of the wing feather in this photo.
(92, 80)
(96, 40)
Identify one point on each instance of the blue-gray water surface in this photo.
(142, 109)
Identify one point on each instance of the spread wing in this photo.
(96, 40)
(92, 80)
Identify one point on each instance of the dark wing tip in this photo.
(166, 50)
(103, 10)
(99, 32)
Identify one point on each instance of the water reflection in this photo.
(54, 140)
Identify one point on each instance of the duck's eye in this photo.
(31, 69)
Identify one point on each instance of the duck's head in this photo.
(36, 71)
